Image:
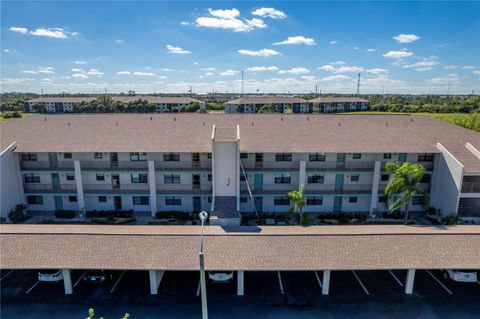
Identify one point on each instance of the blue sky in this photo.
(398, 47)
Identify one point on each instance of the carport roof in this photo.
(244, 248)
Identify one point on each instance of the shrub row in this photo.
(65, 214)
(109, 213)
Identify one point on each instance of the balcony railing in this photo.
(107, 165)
(37, 165)
(471, 187)
(183, 165)
(183, 187)
(294, 166)
(120, 187)
(51, 188)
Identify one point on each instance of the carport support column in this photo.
(302, 173)
(67, 281)
(240, 281)
(153, 188)
(155, 280)
(409, 282)
(326, 282)
(376, 181)
(79, 184)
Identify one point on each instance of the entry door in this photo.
(115, 181)
(341, 160)
(337, 204)
(117, 202)
(53, 159)
(338, 182)
(58, 203)
(197, 204)
(259, 204)
(402, 157)
(258, 182)
(55, 181)
(196, 181)
(114, 159)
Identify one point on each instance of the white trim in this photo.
(473, 149)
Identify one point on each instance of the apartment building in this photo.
(66, 104)
(230, 164)
(339, 104)
(251, 104)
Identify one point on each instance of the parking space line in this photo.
(34, 285)
(360, 282)
(395, 277)
(79, 279)
(8, 274)
(318, 279)
(441, 284)
(280, 282)
(117, 282)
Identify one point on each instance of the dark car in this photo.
(97, 276)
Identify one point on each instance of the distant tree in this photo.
(298, 198)
(268, 108)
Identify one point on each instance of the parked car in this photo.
(220, 277)
(97, 276)
(461, 275)
(50, 275)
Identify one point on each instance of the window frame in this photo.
(352, 199)
(72, 199)
(142, 178)
(36, 201)
(356, 156)
(29, 157)
(97, 155)
(316, 179)
(67, 156)
(69, 176)
(317, 157)
(31, 178)
(172, 179)
(387, 155)
(281, 201)
(425, 158)
(314, 201)
(283, 157)
(140, 200)
(173, 201)
(354, 177)
(171, 157)
(102, 199)
(138, 156)
(100, 177)
(284, 178)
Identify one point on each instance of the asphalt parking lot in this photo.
(359, 294)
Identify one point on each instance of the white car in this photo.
(220, 277)
(50, 275)
(462, 275)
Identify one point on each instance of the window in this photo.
(387, 155)
(171, 157)
(140, 200)
(316, 179)
(382, 199)
(29, 156)
(242, 178)
(97, 155)
(356, 155)
(425, 157)
(102, 199)
(209, 177)
(384, 177)
(311, 201)
(418, 200)
(243, 155)
(281, 201)
(354, 178)
(316, 157)
(171, 179)
(243, 199)
(170, 201)
(139, 178)
(31, 178)
(209, 199)
(283, 157)
(70, 176)
(352, 199)
(138, 156)
(283, 178)
(35, 200)
(209, 155)
(426, 179)
(72, 199)
(100, 177)
(67, 155)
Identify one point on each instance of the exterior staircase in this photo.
(225, 211)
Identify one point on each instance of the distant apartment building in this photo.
(66, 104)
(232, 164)
(251, 104)
(339, 104)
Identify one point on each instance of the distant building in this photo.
(339, 104)
(163, 103)
(251, 104)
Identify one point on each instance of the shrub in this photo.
(305, 220)
(452, 219)
(19, 214)
(14, 114)
(170, 214)
(3, 220)
(65, 214)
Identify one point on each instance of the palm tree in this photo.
(298, 198)
(403, 184)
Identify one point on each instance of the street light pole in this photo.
(203, 287)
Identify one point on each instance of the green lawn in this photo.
(470, 121)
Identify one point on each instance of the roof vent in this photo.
(386, 123)
(281, 118)
(411, 119)
(339, 124)
(117, 123)
(45, 119)
(174, 119)
(68, 123)
(308, 119)
(203, 123)
(252, 123)
(151, 119)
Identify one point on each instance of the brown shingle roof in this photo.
(244, 248)
(266, 100)
(67, 99)
(265, 133)
(337, 100)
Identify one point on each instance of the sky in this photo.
(281, 46)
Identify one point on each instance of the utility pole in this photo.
(241, 93)
(316, 89)
(203, 286)
(358, 84)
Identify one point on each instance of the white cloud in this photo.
(229, 73)
(262, 52)
(57, 33)
(138, 73)
(450, 78)
(299, 39)
(46, 80)
(338, 77)
(298, 70)
(377, 71)
(269, 13)
(166, 70)
(406, 38)
(337, 62)
(29, 72)
(79, 76)
(371, 50)
(123, 72)
(262, 68)
(468, 67)
(7, 50)
(19, 30)
(356, 48)
(476, 72)
(79, 62)
(118, 41)
(184, 23)
(426, 64)
(427, 68)
(9, 81)
(341, 69)
(450, 67)
(398, 54)
(209, 74)
(333, 42)
(95, 72)
(177, 50)
(40, 69)
(77, 70)
(229, 20)
(208, 69)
